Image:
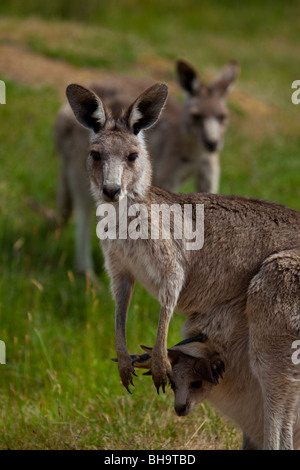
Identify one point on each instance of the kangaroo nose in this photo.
(211, 145)
(111, 193)
(180, 409)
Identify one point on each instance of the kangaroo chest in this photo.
(135, 257)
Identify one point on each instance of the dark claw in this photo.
(133, 373)
(218, 368)
(158, 387)
(147, 373)
(128, 390)
(215, 374)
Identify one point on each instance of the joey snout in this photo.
(182, 409)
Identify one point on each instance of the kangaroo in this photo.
(72, 142)
(196, 370)
(185, 142)
(242, 285)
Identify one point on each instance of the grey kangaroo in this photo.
(184, 143)
(243, 285)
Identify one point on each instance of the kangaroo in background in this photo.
(184, 143)
(243, 285)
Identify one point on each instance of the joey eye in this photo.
(197, 384)
(222, 117)
(96, 156)
(133, 156)
(197, 117)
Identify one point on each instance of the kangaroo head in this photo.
(117, 163)
(196, 369)
(205, 113)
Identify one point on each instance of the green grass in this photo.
(59, 388)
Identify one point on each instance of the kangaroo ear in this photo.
(195, 346)
(87, 107)
(188, 77)
(146, 109)
(224, 83)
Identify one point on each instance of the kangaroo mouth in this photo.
(113, 200)
(211, 146)
(111, 194)
(182, 410)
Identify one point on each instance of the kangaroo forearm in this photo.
(123, 288)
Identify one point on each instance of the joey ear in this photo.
(188, 77)
(194, 346)
(225, 81)
(202, 367)
(87, 107)
(146, 109)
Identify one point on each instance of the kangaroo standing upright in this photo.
(184, 143)
(187, 139)
(243, 284)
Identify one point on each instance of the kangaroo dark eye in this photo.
(132, 157)
(95, 155)
(197, 117)
(197, 384)
(222, 117)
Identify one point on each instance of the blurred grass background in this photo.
(59, 389)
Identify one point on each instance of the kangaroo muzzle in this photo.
(182, 409)
(111, 192)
